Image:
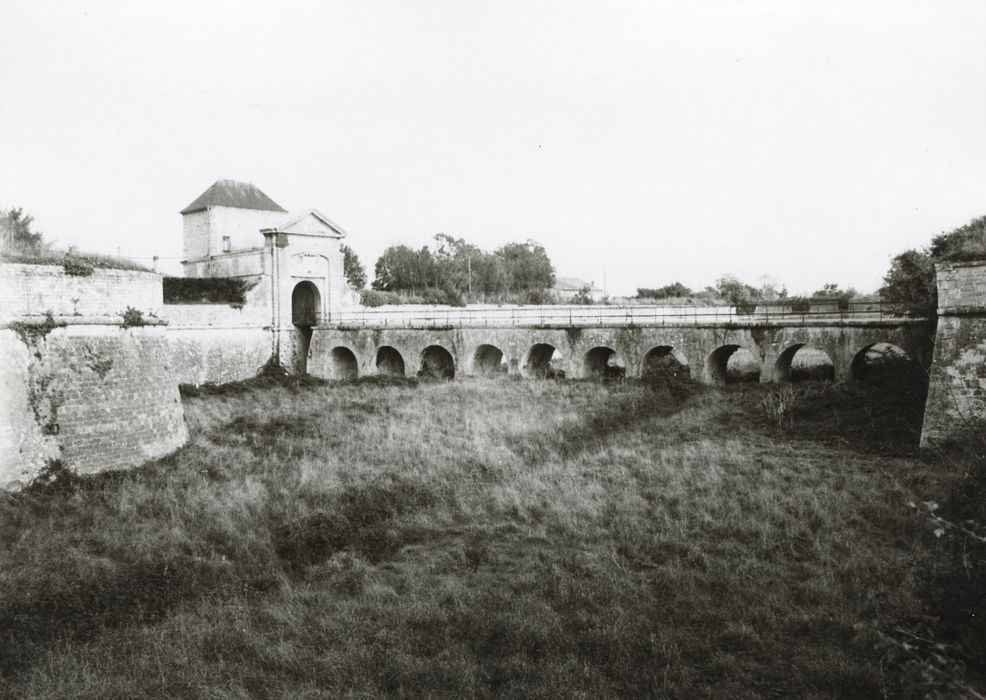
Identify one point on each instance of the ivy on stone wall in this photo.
(204, 290)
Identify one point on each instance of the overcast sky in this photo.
(645, 141)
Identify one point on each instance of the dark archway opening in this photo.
(882, 363)
(731, 364)
(543, 362)
(343, 364)
(802, 363)
(663, 362)
(390, 363)
(603, 363)
(305, 304)
(488, 361)
(436, 363)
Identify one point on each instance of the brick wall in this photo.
(961, 287)
(98, 397)
(957, 392)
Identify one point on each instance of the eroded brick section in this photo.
(98, 397)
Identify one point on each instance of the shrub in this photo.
(133, 317)
(76, 267)
(676, 289)
(205, 290)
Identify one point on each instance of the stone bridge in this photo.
(711, 344)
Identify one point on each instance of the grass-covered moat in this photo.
(502, 538)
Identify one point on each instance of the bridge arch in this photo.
(881, 360)
(343, 365)
(603, 362)
(541, 361)
(804, 362)
(390, 362)
(488, 361)
(436, 363)
(663, 361)
(733, 363)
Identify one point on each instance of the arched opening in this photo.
(801, 362)
(881, 362)
(603, 363)
(436, 363)
(732, 364)
(390, 363)
(664, 362)
(488, 361)
(543, 362)
(305, 304)
(343, 365)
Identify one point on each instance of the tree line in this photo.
(453, 270)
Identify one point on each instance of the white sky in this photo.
(650, 141)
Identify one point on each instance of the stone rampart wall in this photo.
(957, 392)
(34, 290)
(99, 397)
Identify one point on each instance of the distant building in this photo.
(567, 287)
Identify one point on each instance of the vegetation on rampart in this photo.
(910, 283)
(20, 244)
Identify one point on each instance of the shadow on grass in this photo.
(627, 406)
(360, 518)
(882, 413)
(75, 604)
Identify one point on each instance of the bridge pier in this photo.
(957, 391)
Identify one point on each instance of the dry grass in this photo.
(478, 538)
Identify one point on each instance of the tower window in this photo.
(226, 244)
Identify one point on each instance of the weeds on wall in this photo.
(133, 317)
(76, 267)
(31, 332)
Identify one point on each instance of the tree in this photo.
(352, 268)
(401, 268)
(16, 235)
(734, 291)
(583, 296)
(675, 289)
(526, 266)
(910, 283)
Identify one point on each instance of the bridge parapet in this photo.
(868, 313)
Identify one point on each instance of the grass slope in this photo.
(478, 538)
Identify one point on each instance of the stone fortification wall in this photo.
(35, 290)
(218, 343)
(99, 397)
(76, 385)
(957, 392)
